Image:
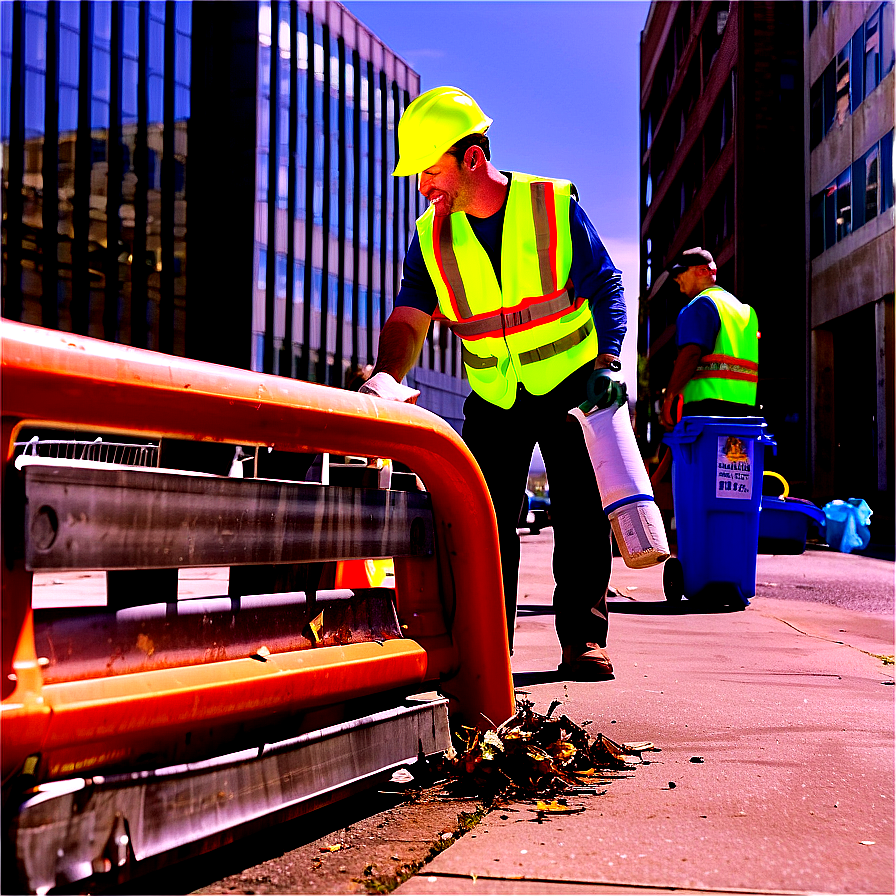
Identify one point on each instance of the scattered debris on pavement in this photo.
(535, 755)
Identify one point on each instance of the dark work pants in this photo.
(502, 441)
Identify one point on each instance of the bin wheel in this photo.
(673, 579)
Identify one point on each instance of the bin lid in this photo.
(689, 429)
(793, 505)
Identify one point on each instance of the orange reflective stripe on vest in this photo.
(728, 368)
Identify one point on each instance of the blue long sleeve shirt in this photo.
(592, 273)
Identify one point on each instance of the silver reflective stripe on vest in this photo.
(451, 268)
(542, 353)
(542, 235)
(474, 362)
(541, 309)
(495, 324)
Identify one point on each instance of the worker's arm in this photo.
(401, 341)
(689, 356)
(595, 277)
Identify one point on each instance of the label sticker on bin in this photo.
(734, 468)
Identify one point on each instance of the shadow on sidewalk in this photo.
(665, 608)
(550, 676)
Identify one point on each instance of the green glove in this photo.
(604, 389)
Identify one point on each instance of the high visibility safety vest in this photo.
(530, 329)
(731, 371)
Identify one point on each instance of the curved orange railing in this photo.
(57, 379)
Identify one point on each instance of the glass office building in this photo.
(209, 179)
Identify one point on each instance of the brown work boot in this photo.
(585, 662)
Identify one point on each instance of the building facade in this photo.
(210, 180)
(721, 167)
(850, 96)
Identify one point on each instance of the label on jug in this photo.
(734, 468)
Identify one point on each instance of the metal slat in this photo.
(70, 829)
(85, 517)
(90, 642)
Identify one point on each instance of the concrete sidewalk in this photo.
(776, 730)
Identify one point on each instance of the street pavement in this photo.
(776, 734)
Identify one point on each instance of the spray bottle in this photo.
(622, 479)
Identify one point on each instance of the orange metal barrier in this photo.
(56, 379)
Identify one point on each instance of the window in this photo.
(841, 99)
(844, 205)
(280, 284)
(872, 182)
(830, 215)
(261, 277)
(872, 53)
(857, 196)
(886, 172)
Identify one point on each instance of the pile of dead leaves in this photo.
(534, 755)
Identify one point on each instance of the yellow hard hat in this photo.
(432, 124)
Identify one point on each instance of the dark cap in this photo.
(690, 258)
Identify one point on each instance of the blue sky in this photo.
(561, 81)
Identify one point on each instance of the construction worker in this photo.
(717, 367)
(522, 278)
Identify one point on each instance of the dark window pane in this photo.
(155, 99)
(828, 89)
(887, 36)
(182, 58)
(858, 192)
(102, 22)
(813, 15)
(886, 171)
(101, 72)
(34, 103)
(69, 14)
(6, 29)
(857, 73)
(830, 215)
(872, 53)
(844, 205)
(35, 41)
(69, 57)
(872, 182)
(129, 90)
(68, 110)
(130, 28)
(841, 101)
(5, 70)
(183, 17)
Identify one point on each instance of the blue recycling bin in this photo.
(717, 467)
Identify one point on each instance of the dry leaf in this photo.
(555, 808)
(314, 627)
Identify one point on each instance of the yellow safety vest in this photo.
(530, 329)
(731, 371)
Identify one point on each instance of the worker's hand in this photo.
(671, 412)
(605, 389)
(607, 361)
(384, 385)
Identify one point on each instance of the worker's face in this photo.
(693, 280)
(447, 185)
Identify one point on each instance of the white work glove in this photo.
(383, 385)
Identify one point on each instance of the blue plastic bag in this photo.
(846, 525)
